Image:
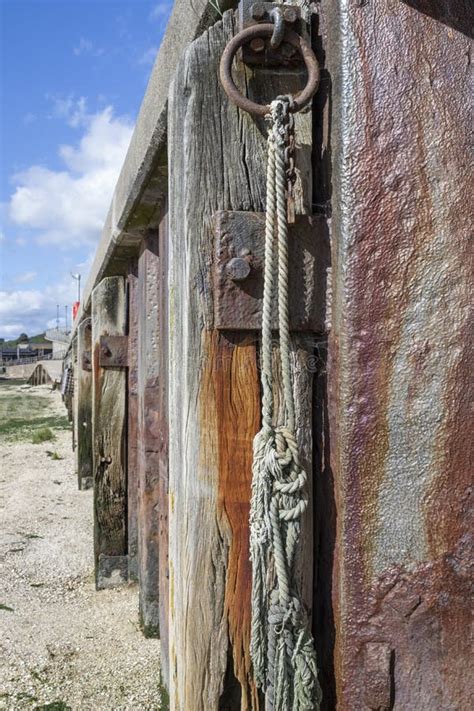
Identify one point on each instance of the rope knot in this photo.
(281, 647)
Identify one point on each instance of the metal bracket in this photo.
(270, 52)
(113, 352)
(86, 360)
(238, 271)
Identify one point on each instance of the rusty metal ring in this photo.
(266, 30)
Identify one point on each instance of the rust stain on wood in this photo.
(231, 395)
(109, 429)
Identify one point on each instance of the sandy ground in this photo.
(62, 645)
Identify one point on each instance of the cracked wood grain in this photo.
(84, 407)
(109, 432)
(217, 160)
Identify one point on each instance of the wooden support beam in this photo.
(163, 451)
(109, 431)
(148, 433)
(83, 397)
(400, 354)
(132, 419)
(214, 387)
(73, 395)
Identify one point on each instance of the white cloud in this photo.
(85, 46)
(26, 277)
(68, 207)
(69, 108)
(29, 118)
(12, 330)
(29, 310)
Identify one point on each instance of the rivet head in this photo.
(287, 50)
(258, 11)
(238, 269)
(257, 44)
(290, 14)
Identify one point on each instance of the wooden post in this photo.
(214, 387)
(163, 451)
(84, 404)
(149, 434)
(109, 428)
(132, 418)
(73, 396)
(400, 353)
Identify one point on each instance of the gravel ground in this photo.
(63, 645)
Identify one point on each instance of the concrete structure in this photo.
(170, 401)
(25, 370)
(47, 372)
(59, 341)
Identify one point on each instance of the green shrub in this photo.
(54, 456)
(44, 434)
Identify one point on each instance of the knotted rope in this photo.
(282, 648)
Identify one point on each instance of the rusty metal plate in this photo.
(259, 51)
(400, 356)
(113, 352)
(86, 360)
(238, 275)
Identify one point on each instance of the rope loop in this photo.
(281, 647)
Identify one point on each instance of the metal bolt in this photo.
(105, 351)
(258, 11)
(257, 44)
(238, 269)
(106, 460)
(290, 14)
(287, 50)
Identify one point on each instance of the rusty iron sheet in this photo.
(113, 352)
(238, 275)
(400, 355)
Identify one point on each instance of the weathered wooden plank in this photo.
(163, 452)
(109, 428)
(73, 396)
(218, 158)
(84, 405)
(148, 433)
(132, 420)
(401, 351)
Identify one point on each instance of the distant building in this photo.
(59, 342)
(25, 349)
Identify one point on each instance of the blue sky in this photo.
(73, 74)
